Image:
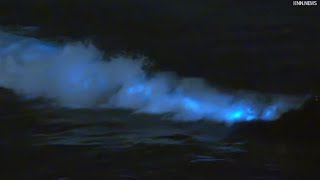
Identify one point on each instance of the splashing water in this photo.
(80, 76)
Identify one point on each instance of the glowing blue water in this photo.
(191, 104)
(77, 76)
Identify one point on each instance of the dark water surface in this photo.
(55, 143)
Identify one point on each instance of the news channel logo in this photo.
(305, 3)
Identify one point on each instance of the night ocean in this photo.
(159, 90)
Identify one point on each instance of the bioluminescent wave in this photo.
(76, 75)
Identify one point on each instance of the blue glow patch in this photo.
(78, 78)
(140, 88)
(251, 117)
(191, 104)
(236, 115)
(242, 113)
(39, 50)
(250, 114)
(11, 48)
(269, 113)
(135, 89)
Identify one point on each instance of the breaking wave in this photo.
(77, 75)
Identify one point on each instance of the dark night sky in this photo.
(267, 46)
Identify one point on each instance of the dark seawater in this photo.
(53, 143)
